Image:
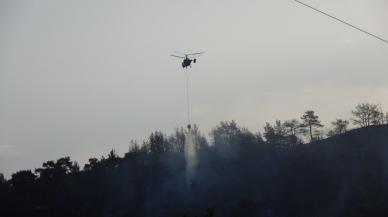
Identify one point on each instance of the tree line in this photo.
(239, 173)
(309, 126)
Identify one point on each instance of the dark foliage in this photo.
(239, 174)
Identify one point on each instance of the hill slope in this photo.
(238, 175)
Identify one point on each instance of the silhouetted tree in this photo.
(386, 117)
(276, 134)
(225, 133)
(380, 117)
(23, 182)
(135, 150)
(269, 133)
(340, 126)
(367, 114)
(58, 169)
(112, 160)
(23, 177)
(2, 179)
(177, 140)
(92, 163)
(310, 123)
(158, 144)
(279, 128)
(3, 187)
(225, 138)
(293, 129)
(231, 141)
(292, 126)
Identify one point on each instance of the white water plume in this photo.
(191, 157)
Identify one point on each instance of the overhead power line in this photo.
(342, 21)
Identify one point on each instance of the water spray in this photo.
(190, 146)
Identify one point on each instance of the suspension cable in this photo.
(188, 99)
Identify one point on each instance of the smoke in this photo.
(191, 157)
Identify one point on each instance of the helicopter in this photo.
(186, 60)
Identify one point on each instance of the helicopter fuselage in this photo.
(186, 62)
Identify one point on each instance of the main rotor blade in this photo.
(192, 54)
(179, 52)
(177, 56)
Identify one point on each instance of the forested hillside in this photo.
(238, 174)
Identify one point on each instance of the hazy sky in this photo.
(78, 78)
